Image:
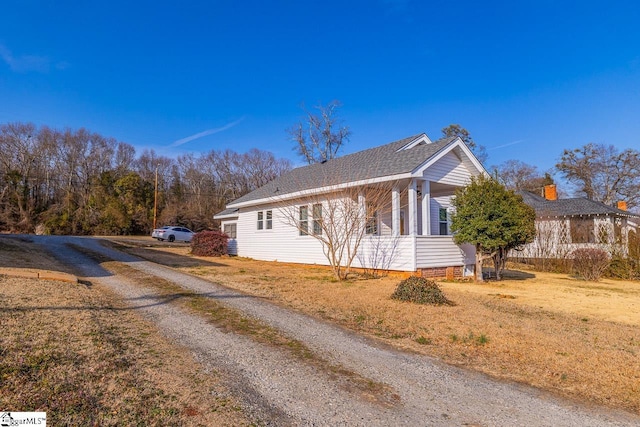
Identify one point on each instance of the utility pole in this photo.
(155, 200)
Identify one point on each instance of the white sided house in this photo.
(398, 194)
(564, 225)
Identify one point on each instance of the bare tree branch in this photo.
(320, 137)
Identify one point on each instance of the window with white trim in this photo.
(444, 222)
(265, 220)
(269, 220)
(303, 220)
(317, 218)
(371, 226)
(230, 230)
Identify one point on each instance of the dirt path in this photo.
(282, 390)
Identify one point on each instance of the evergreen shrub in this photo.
(623, 268)
(420, 291)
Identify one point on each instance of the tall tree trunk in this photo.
(478, 269)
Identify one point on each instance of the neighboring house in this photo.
(563, 225)
(409, 232)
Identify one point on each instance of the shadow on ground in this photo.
(166, 258)
(490, 274)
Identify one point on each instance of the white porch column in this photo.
(413, 208)
(426, 208)
(395, 211)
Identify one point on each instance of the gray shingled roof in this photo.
(376, 162)
(569, 207)
(226, 213)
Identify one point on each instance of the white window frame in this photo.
(234, 233)
(269, 219)
(444, 222)
(303, 223)
(316, 213)
(265, 220)
(372, 225)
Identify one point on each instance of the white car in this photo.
(173, 234)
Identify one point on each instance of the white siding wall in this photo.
(441, 251)
(282, 243)
(436, 204)
(448, 170)
(386, 253)
(385, 219)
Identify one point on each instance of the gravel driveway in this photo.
(278, 389)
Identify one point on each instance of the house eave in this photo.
(227, 216)
(320, 190)
(579, 215)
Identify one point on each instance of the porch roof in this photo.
(385, 161)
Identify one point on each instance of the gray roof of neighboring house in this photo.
(376, 162)
(227, 213)
(569, 207)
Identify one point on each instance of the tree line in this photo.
(80, 182)
(598, 172)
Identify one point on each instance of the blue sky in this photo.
(527, 79)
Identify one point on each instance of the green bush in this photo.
(209, 243)
(590, 263)
(420, 291)
(623, 268)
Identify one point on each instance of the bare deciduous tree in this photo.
(339, 219)
(320, 136)
(603, 173)
(19, 158)
(79, 182)
(518, 175)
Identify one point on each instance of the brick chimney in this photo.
(550, 192)
(622, 205)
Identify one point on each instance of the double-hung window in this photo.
(269, 224)
(303, 224)
(444, 222)
(265, 220)
(317, 218)
(371, 226)
(230, 230)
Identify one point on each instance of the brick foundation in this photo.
(448, 273)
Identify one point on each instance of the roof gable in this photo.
(422, 139)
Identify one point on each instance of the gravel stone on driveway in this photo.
(280, 390)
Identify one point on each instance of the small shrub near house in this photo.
(590, 263)
(209, 243)
(420, 291)
(622, 268)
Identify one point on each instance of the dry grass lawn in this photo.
(79, 354)
(578, 339)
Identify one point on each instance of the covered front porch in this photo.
(413, 227)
